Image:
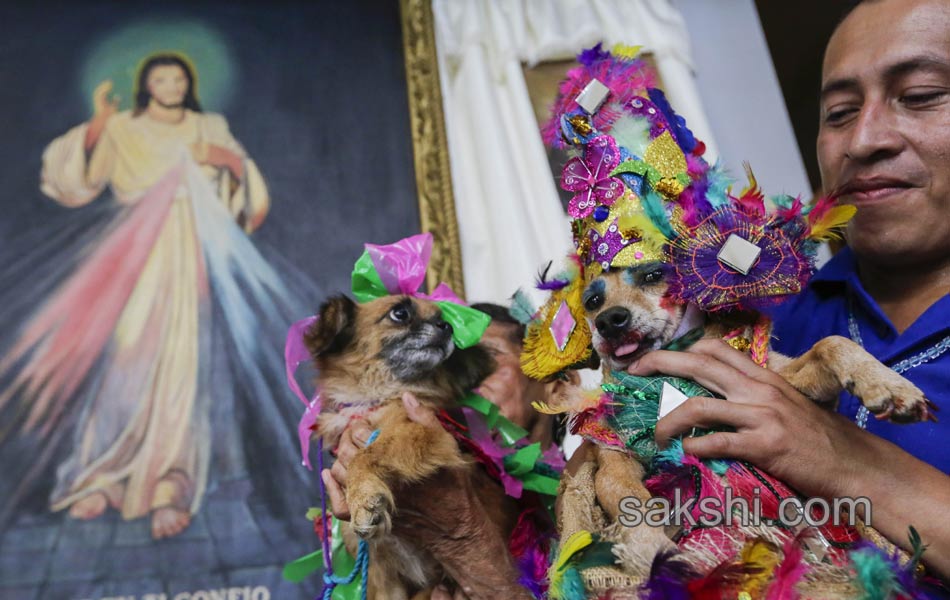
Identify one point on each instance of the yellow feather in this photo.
(652, 236)
(574, 544)
(825, 228)
(622, 51)
(763, 556)
(753, 184)
(545, 409)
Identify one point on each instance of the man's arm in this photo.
(818, 452)
(442, 514)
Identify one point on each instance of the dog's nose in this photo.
(443, 326)
(613, 322)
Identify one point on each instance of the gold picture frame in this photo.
(430, 148)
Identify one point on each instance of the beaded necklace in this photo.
(932, 353)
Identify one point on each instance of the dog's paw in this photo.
(889, 396)
(371, 517)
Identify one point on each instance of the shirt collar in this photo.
(842, 270)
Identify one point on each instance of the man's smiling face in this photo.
(884, 138)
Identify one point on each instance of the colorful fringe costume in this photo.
(644, 194)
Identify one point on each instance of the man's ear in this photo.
(334, 328)
(469, 367)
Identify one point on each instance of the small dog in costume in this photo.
(667, 254)
(368, 354)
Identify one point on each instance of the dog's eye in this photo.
(653, 276)
(399, 314)
(594, 302)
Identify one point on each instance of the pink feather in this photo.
(792, 212)
(788, 573)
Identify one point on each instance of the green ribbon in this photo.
(523, 463)
(540, 483)
(365, 280)
(468, 324)
(299, 569)
(510, 433)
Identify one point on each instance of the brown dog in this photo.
(368, 355)
(629, 316)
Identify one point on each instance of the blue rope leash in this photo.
(330, 580)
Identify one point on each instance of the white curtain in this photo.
(510, 219)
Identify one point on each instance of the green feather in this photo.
(783, 201)
(874, 574)
(598, 554)
(919, 548)
(653, 207)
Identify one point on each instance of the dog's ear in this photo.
(469, 367)
(335, 327)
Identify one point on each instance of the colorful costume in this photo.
(643, 195)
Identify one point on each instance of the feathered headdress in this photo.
(643, 193)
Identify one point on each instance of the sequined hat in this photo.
(644, 193)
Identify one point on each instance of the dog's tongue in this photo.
(626, 349)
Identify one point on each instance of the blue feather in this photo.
(521, 308)
(719, 184)
(684, 137)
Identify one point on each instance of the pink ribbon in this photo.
(402, 268)
(295, 353)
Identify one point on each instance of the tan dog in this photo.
(629, 316)
(368, 355)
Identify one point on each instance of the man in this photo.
(444, 510)
(883, 145)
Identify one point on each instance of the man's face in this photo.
(168, 84)
(507, 386)
(884, 138)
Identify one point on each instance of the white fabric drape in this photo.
(510, 219)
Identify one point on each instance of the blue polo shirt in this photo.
(822, 310)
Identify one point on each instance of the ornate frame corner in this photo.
(430, 148)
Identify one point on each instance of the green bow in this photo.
(468, 324)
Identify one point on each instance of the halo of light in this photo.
(119, 56)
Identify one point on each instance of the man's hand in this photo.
(776, 427)
(443, 514)
(816, 451)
